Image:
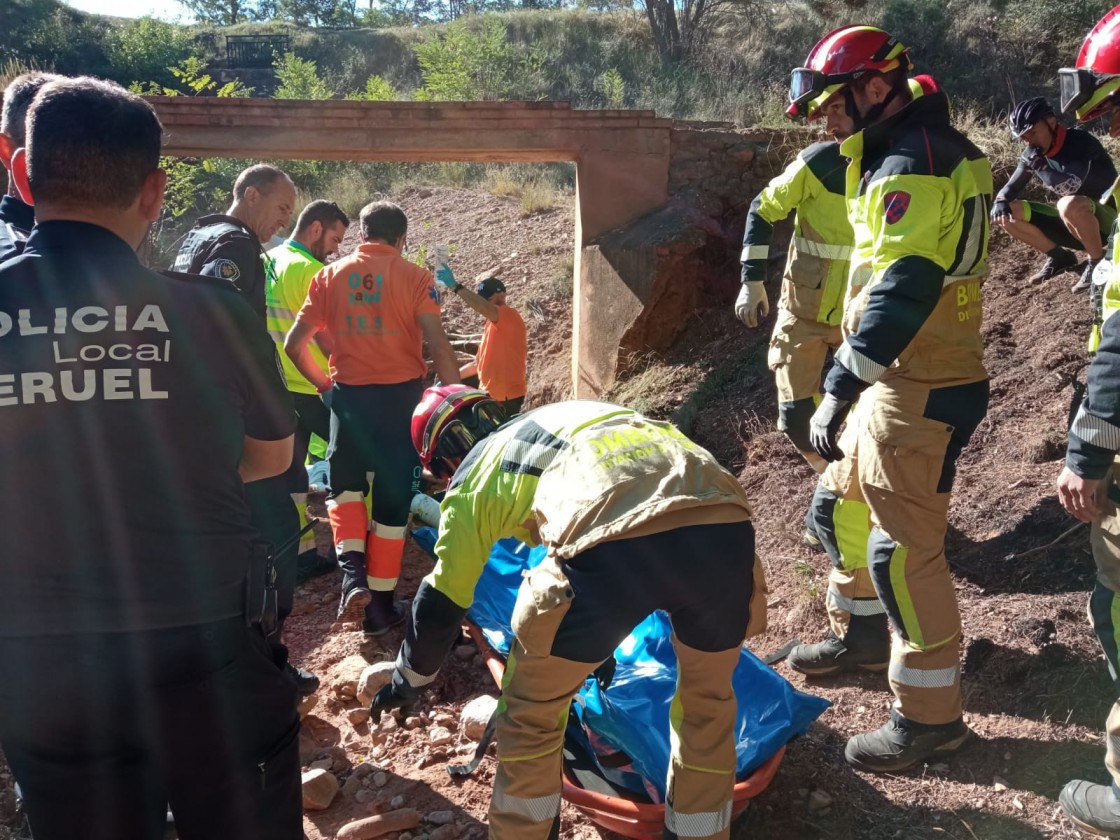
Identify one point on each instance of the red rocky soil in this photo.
(1036, 689)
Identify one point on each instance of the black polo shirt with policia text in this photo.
(125, 398)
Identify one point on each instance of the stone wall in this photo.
(662, 267)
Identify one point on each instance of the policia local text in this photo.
(85, 384)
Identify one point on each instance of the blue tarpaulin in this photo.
(632, 714)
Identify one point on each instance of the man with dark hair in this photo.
(912, 355)
(16, 216)
(318, 232)
(500, 364)
(1074, 166)
(131, 653)
(231, 246)
(377, 309)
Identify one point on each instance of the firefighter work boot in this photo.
(306, 682)
(1093, 808)
(383, 614)
(900, 743)
(1086, 279)
(355, 594)
(1058, 261)
(865, 647)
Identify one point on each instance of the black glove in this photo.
(390, 697)
(825, 425)
(1001, 209)
(1037, 160)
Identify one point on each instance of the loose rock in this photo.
(319, 789)
(307, 704)
(444, 832)
(380, 779)
(373, 679)
(379, 825)
(358, 716)
(476, 714)
(344, 676)
(438, 736)
(440, 817)
(322, 764)
(819, 800)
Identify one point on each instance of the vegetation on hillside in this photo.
(725, 60)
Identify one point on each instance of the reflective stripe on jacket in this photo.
(1094, 435)
(817, 266)
(919, 194)
(569, 476)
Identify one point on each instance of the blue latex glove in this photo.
(445, 278)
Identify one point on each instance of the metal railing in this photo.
(254, 50)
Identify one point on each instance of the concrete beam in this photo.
(621, 157)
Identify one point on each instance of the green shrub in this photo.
(146, 49)
(377, 89)
(299, 79)
(614, 88)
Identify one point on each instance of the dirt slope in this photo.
(1035, 686)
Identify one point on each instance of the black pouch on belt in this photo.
(260, 589)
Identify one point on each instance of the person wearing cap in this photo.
(500, 365)
(1087, 486)
(1074, 166)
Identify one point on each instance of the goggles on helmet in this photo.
(1085, 92)
(807, 85)
(461, 433)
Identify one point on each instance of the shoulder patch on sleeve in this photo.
(227, 269)
(895, 205)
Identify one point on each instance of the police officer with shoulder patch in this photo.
(133, 406)
(230, 247)
(16, 216)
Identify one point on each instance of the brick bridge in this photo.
(659, 203)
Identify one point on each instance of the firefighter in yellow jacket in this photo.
(1087, 486)
(807, 330)
(918, 196)
(635, 518)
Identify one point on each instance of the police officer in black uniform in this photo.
(16, 216)
(1073, 166)
(230, 246)
(132, 407)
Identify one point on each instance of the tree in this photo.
(681, 27)
(229, 12)
(318, 12)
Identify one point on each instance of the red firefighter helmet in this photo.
(840, 58)
(1089, 88)
(448, 422)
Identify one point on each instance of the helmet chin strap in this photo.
(876, 112)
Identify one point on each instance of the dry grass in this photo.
(537, 197)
